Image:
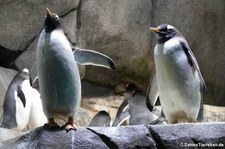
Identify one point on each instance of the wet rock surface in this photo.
(136, 137)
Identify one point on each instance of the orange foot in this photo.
(70, 125)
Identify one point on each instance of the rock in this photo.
(197, 135)
(7, 134)
(120, 30)
(164, 136)
(214, 113)
(23, 27)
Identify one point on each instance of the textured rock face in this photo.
(144, 137)
(119, 28)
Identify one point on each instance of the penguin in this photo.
(152, 97)
(17, 103)
(179, 80)
(135, 111)
(37, 117)
(58, 74)
(101, 119)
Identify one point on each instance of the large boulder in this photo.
(165, 136)
(119, 28)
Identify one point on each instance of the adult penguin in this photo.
(58, 73)
(17, 102)
(179, 79)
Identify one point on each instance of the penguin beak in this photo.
(49, 13)
(153, 29)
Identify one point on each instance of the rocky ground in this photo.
(202, 135)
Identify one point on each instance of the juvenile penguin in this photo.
(134, 108)
(179, 79)
(17, 102)
(101, 119)
(58, 73)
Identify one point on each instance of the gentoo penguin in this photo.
(135, 111)
(37, 116)
(17, 103)
(59, 79)
(101, 119)
(179, 79)
(153, 96)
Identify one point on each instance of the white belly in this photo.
(58, 76)
(179, 85)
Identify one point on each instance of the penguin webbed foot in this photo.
(69, 125)
(51, 124)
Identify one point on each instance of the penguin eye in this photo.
(170, 30)
(56, 17)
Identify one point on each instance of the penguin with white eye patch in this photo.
(59, 79)
(17, 103)
(179, 80)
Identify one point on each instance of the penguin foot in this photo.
(69, 125)
(52, 123)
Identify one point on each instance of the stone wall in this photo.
(119, 28)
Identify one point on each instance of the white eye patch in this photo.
(170, 27)
(57, 17)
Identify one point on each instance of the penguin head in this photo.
(51, 21)
(164, 32)
(25, 74)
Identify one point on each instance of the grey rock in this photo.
(197, 135)
(214, 113)
(7, 134)
(120, 30)
(23, 23)
(135, 137)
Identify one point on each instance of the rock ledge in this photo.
(196, 135)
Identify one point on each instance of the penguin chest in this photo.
(58, 75)
(172, 68)
(23, 108)
(178, 88)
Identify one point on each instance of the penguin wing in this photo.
(192, 60)
(21, 96)
(33, 74)
(123, 116)
(122, 107)
(152, 92)
(90, 57)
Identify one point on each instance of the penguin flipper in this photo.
(192, 61)
(123, 116)
(152, 92)
(90, 57)
(21, 96)
(160, 118)
(33, 74)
